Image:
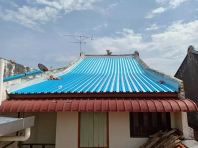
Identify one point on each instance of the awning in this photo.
(135, 105)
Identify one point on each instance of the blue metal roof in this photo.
(22, 75)
(105, 74)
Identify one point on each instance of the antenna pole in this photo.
(81, 40)
(80, 45)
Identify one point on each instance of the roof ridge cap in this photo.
(88, 55)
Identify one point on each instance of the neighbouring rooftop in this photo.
(21, 75)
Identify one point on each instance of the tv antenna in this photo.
(81, 39)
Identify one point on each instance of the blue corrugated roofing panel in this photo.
(18, 76)
(103, 74)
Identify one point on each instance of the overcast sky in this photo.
(32, 31)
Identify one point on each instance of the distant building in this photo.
(188, 73)
(106, 101)
(10, 127)
(13, 68)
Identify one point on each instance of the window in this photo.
(145, 124)
(93, 130)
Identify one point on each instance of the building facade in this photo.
(103, 101)
(188, 72)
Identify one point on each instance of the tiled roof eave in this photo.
(115, 105)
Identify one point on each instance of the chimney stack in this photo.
(1, 79)
(136, 53)
(190, 49)
(109, 52)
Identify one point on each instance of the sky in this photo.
(33, 31)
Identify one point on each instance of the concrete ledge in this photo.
(190, 143)
(11, 125)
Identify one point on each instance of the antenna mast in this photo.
(81, 39)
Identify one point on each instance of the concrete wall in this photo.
(119, 129)
(67, 130)
(11, 68)
(119, 132)
(44, 130)
(1, 79)
(179, 120)
(62, 129)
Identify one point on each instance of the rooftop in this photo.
(113, 73)
(102, 83)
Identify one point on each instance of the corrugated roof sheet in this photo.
(86, 105)
(104, 74)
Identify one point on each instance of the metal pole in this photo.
(80, 44)
(81, 40)
(1, 79)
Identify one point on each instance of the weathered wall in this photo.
(179, 120)
(188, 72)
(1, 80)
(44, 130)
(12, 68)
(67, 130)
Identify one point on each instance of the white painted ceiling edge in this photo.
(1, 80)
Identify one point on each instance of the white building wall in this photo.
(1, 80)
(179, 120)
(44, 129)
(67, 130)
(119, 132)
(119, 129)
